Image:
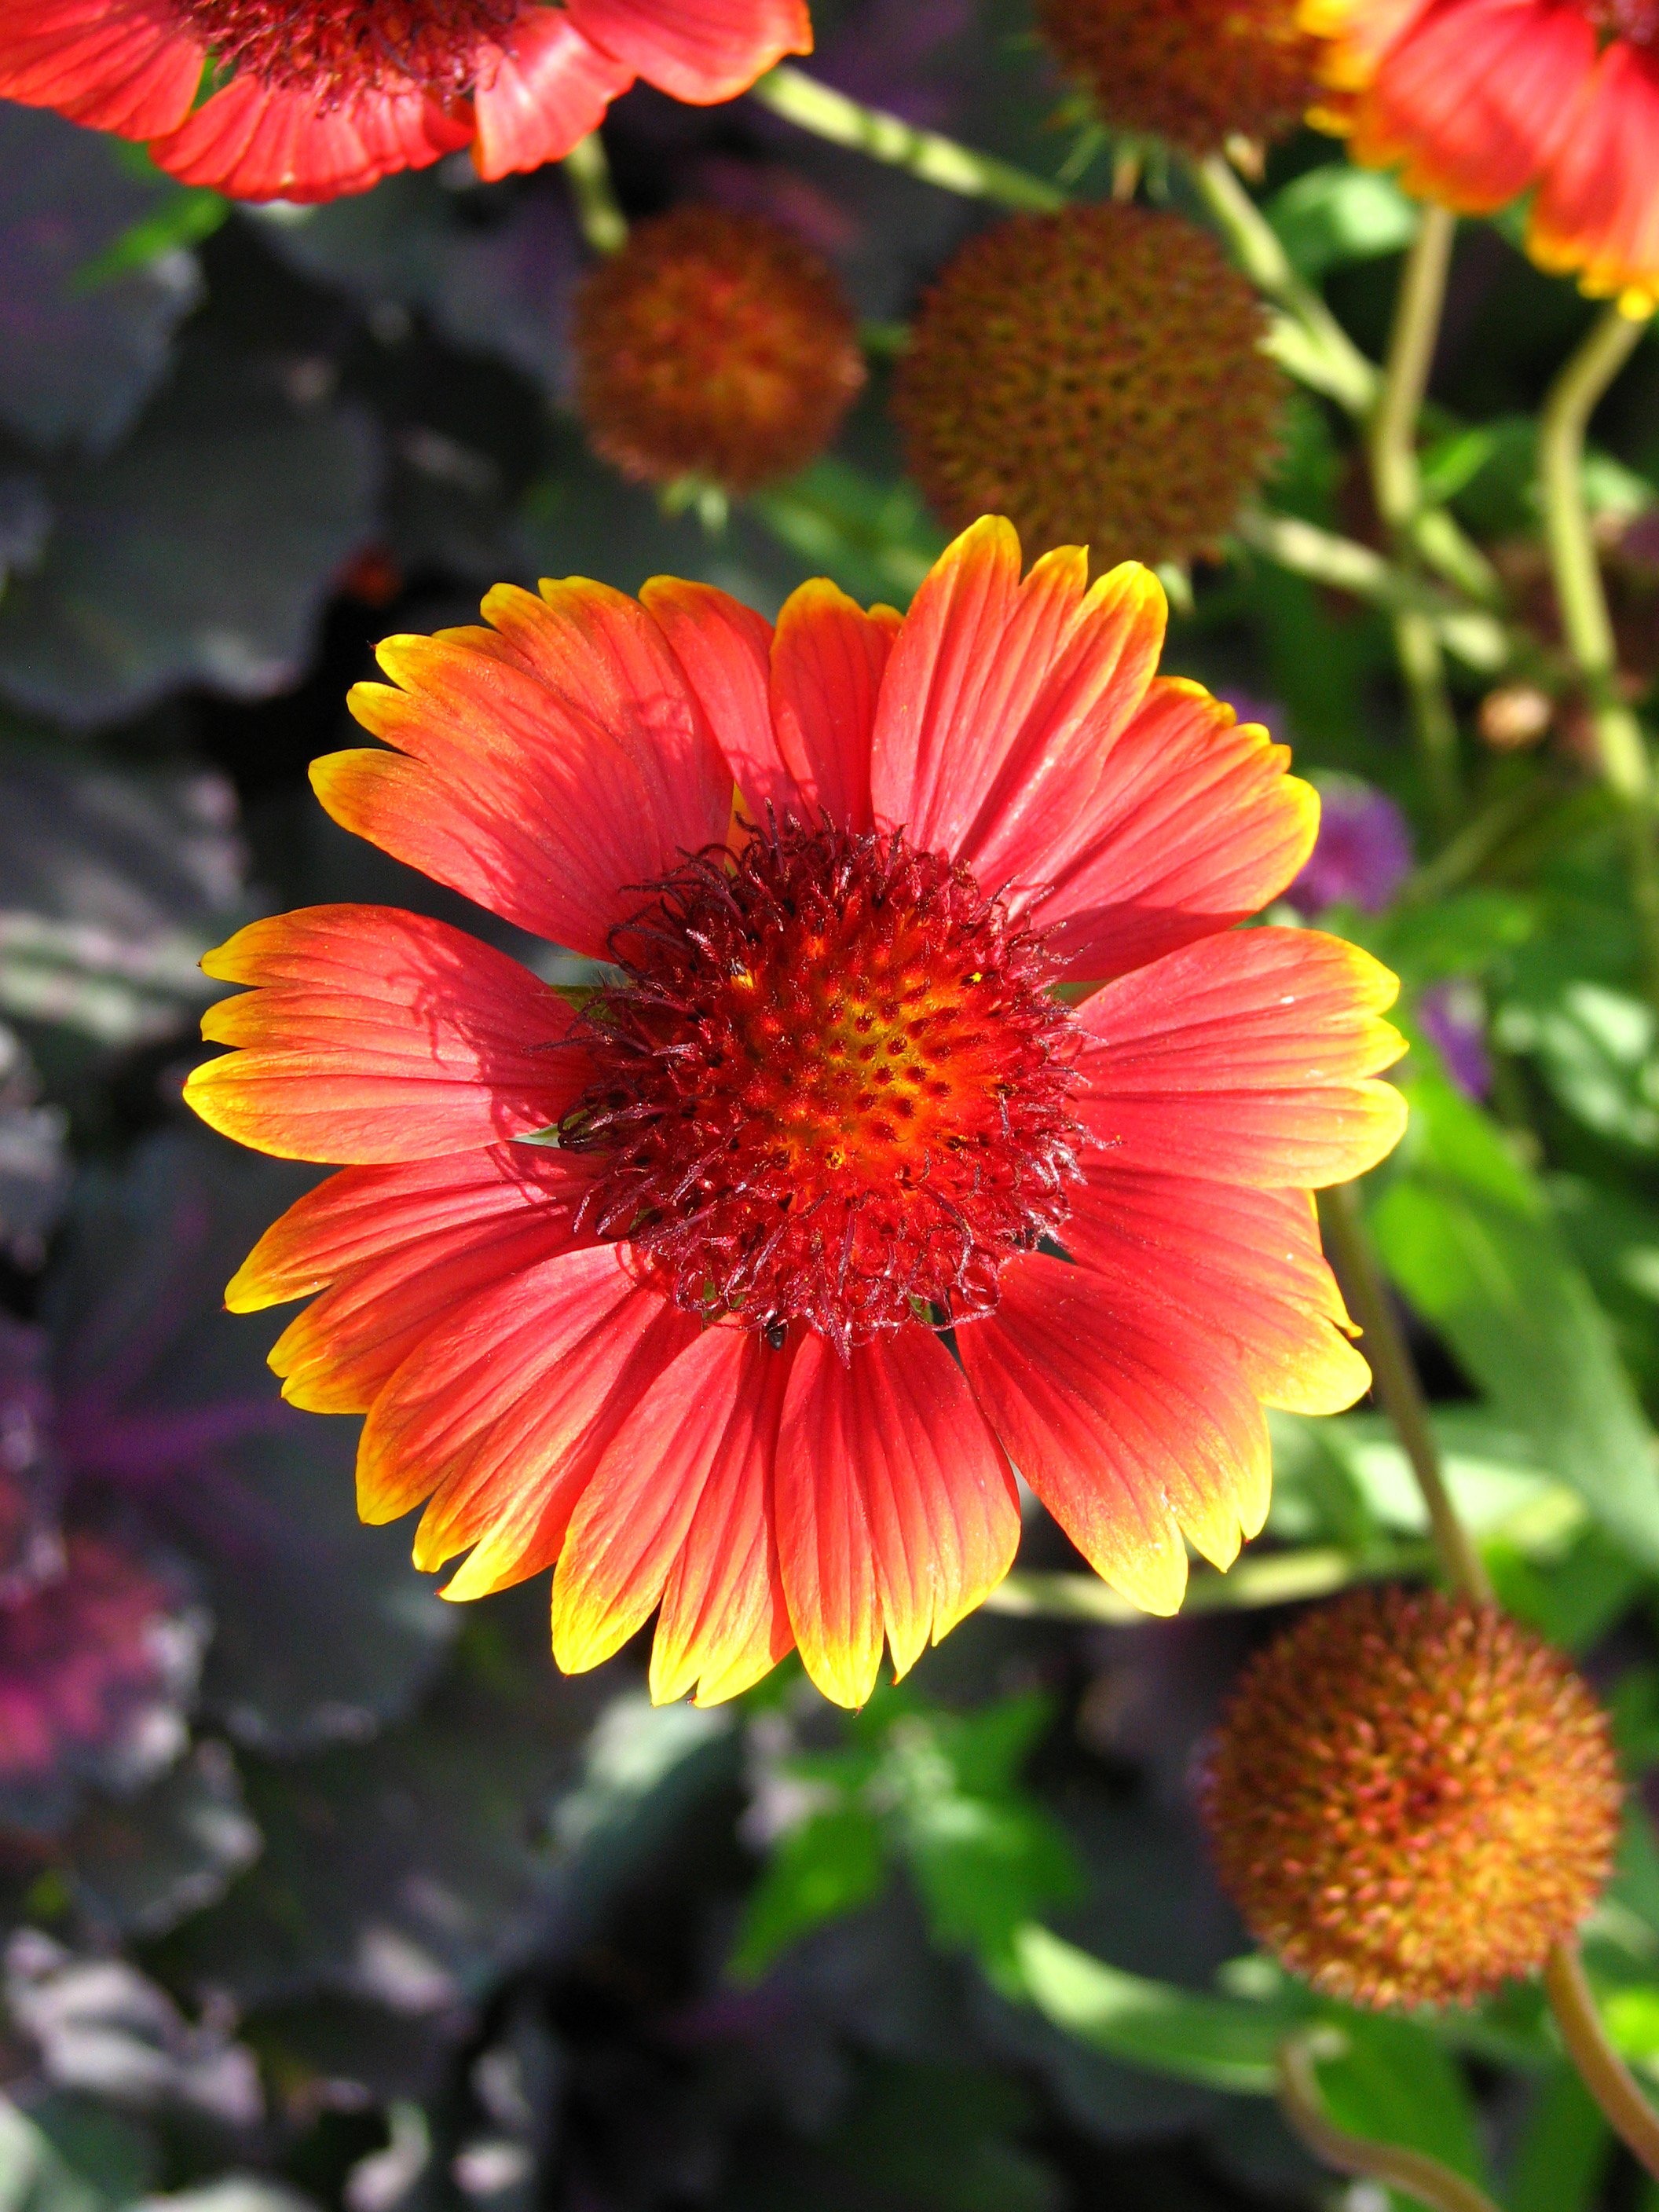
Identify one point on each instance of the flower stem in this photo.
(1621, 750)
(1604, 2072)
(1397, 482)
(1411, 2171)
(817, 107)
(1394, 1375)
(599, 212)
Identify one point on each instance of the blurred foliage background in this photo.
(318, 1892)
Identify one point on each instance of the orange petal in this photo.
(827, 660)
(373, 1035)
(545, 87)
(1597, 209)
(724, 649)
(120, 65)
(1245, 1058)
(703, 54)
(895, 1506)
(257, 141)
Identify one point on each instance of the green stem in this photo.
(1398, 1388)
(1411, 2171)
(598, 213)
(1397, 482)
(1605, 2073)
(814, 106)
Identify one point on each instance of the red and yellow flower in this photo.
(1481, 100)
(315, 98)
(660, 1293)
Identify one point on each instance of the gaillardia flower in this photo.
(313, 97)
(1411, 1799)
(662, 1292)
(714, 345)
(1194, 72)
(1098, 376)
(1481, 100)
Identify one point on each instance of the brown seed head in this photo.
(1192, 71)
(714, 345)
(1096, 376)
(1411, 1799)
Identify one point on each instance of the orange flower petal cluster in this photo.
(714, 345)
(1411, 1799)
(317, 98)
(1479, 100)
(829, 1104)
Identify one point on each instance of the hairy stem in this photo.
(599, 212)
(817, 107)
(1605, 2073)
(1398, 1388)
(1411, 2171)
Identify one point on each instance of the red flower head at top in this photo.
(925, 1028)
(1481, 101)
(315, 98)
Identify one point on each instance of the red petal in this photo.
(122, 65)
(374, 1035)
(708, 53)
(708, 1421)
(546, 89)
(1187, 824)
(724, 649)
(445, 1230)
(1246, 1058)
(255, 141)
(555, 763)
(993, 689)
(504, 1413)
(827, 660)
(895, 1506)
(1597, 211)
(1128, 1425)
(1475, 97)
(1244, 1268)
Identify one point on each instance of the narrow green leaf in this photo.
(831, 1864)
(1336, 214)
(1563, 2151)
(1396, 2083)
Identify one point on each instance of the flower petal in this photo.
(1597, 211)
(502, 1414)
(546, 88)
(724, 649)
(1245, 1268)
(991, 687)
(895, 1506)
(711, 1419)
(1128, 1425)
(1245, 1058)
(447, 1230)
(827, 660)
(1187, 824)
(255, 141)
(120, 65)
(373, 1035)
(1475, 97)
(709, 52)
(555, 764)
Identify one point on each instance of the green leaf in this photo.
(1221, 2042)
(982, 1869)
(1563, 2152)
(1396, 2083)
(874, 539)
(1467, 1235)
(33, 2178)
(1336, 214)
(830, 1865)
(1598, 1050)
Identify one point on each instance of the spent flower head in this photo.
(1194, 72)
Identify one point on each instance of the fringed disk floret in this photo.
(1192, 71)
(1411, 1799)
(333, 49)
(833, 1087)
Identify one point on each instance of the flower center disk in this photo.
(334, 48)
(832, 1088)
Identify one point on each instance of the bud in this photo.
(714, 346)
(1411, 1799)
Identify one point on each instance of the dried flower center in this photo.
(333, 48)
(1635, 20)
(832, 1089)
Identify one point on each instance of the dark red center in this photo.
(331, 48)
(833, 1087)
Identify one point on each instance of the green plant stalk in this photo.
(1621, 749)
(1604, 2072)
(1394, 1373)
(598, 213)
(817, 107)
(1397, 482)
(1411, 2171)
